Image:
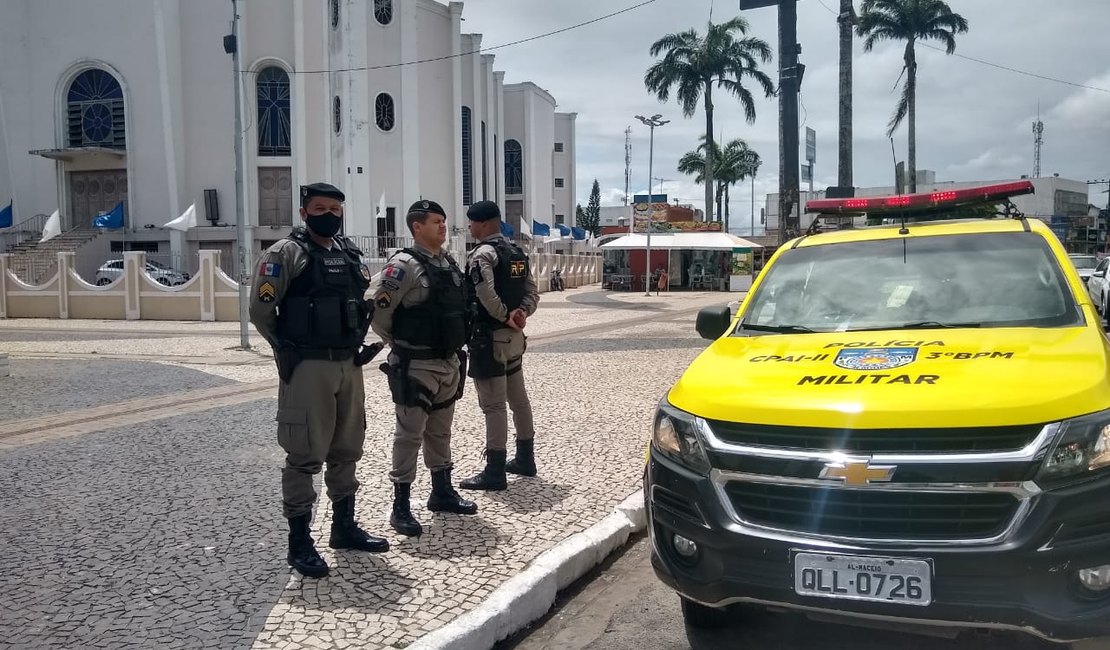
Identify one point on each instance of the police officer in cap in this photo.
(309, 302)
(505, 295)
(420, 310)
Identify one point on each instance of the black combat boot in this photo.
(492, 477)
(345, 532)
(302, 552)
(525, 462)
(402, 520)
(444, 498)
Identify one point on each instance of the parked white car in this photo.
(1099, 287)
(161, 274)
(1085, 264)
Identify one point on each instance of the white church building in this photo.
(133, 101)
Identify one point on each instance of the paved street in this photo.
(622, 606)
(141, 476)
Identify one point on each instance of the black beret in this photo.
(483, 211)
(431, 207)
(321, 189)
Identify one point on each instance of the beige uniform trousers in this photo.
(321, 418)
(495, 392)
(417, 427)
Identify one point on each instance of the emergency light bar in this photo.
(927, 200)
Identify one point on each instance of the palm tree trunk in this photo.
(720, 193)
(709, 150)
(728, 209)
(911, 82)
(844, 154)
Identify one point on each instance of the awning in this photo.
(701, 241)
(70, 154)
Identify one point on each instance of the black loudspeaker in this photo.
(211, 206)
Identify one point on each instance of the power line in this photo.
(480, 51)
(996, 65)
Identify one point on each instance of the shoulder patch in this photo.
(270, 269)
(266, 292)
(383, 300)
(394, 272)
(365, 271)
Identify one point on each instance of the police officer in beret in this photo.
(505, 295)
(420, 310)
(308, 300)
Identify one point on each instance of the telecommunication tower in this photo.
(1038, 140)
(627, 163)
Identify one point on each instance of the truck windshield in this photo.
(973, 280)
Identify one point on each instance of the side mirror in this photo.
(713, 322)
(1100, 274)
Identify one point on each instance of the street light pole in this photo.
(652, 122)
(232, 47)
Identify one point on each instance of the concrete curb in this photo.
(529, 595)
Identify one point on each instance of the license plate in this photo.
(875, 579)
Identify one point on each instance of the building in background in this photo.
(132, 101)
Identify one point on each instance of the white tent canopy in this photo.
(702, 241)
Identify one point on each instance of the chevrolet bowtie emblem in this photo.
(858, 472)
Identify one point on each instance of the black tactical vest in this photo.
(440, 322)
(324, 306)
(510, 278)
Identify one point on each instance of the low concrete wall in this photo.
(210, 295)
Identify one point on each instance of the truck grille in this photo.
(873, 514)
(963, 440)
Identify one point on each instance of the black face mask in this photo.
(324, 225)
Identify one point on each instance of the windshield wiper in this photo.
(778, 329)
(920, 325)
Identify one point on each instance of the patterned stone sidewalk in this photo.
(176, 520)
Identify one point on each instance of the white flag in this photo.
(53, 227)
(381, 207)
(185, 221)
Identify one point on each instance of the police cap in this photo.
(320, 189)
(483, 211)
(429, 207)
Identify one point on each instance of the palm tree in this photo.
(694, 162)
(693, 64)
(737, 163)
(732, 164)
(910, 21)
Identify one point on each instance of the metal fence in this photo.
(27, 230)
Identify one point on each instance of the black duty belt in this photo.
(333, 354)
(423, 355)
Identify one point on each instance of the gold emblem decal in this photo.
(858, 473)
(266, 292)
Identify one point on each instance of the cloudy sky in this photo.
(974, 120)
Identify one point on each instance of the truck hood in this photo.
(900, 378)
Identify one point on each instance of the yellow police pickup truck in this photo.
(907, 422)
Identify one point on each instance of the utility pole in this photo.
(847, 21)
(790, 82)
(231, 46)
(1104, 214)
(790, 78)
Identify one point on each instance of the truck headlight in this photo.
(1082, 447)
(675, 436)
